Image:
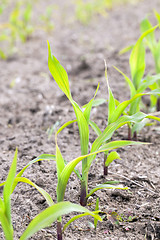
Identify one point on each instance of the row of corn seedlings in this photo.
(119, 114)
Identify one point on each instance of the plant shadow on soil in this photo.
(35, 103)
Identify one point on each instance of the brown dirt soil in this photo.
(35, 103)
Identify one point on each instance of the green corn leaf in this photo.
(153, 117)
(41, 190)
(122, 106)
(138, 126)
(134, 107)
(137, 59)
(108, 132)
(7, 229)
(119, 144)
(75, 171)
(137, 63)
(96, 102)
(96, 217)
(59, 74)
(7, 191)
(95, 127)
(111, 157)
(87, 111)
(59, 161)
(65, 174)
(157, 15)
(88, 107)
(106, 186)
(49, 215)
(83, 125)
(128, 81)
(126, 49)
(150, 38)
(110, 129)
(154, 92)
(66, 125)
(148, 82)
(156, 55)
(2, 184)
(42, 157)
(83, 128)
(111, 99)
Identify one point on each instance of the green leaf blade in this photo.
(106, 186)
(41, 190)
(111, 157)
(59, 74)
(7, 191)
(49, 215)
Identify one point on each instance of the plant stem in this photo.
(135, 136)
(105, 168)
(130, 137)
(83, 194)
(129, 133)
(59, 230)
(158, 104)
(84, 183)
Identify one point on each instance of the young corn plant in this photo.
(115, 111)
(83, 119)
(154, 45)
(46, 217)
(138, 84)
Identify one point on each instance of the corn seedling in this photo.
(63, 173)
(154, 46)
(46, 217)
(83, 119)
(138, 84)
(115, 110)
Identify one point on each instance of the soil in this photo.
(35, 104)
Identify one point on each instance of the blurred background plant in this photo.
(18, 23)
(19, 19)
(47, 18)
(86, 10)
(17, 28)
